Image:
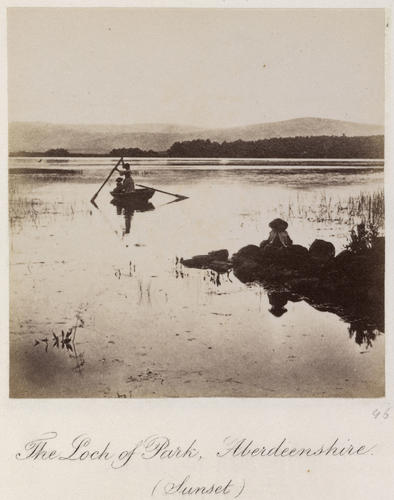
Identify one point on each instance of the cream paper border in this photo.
(304, 422)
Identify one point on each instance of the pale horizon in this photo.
(206, 68)
(182, 124)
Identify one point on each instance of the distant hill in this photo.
(40, 136)
(294, 128)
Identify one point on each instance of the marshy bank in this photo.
(153, 327)
(350, 284)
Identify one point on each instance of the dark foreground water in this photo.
(144, 326)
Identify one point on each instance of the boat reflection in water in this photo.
(128, 209)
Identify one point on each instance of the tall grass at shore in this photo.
(22, 208)
(367, 208)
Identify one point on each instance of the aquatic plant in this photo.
(367, 208)
(22, 208)
(363, 237)
(363, 333)
(66, 341)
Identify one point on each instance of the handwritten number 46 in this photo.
(381, 414)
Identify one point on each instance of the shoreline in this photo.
(379, 162)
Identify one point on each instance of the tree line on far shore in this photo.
(285, 147)
(282, 147)
(56, 152)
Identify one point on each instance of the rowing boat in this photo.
(137, 197)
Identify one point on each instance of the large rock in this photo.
(252, 263)
(250, 252)
(272, 255)
(198, 261)
(219, 255)
(247, 270)
(296, 257)
(293, 257)
(321, 251)
(217, 260)
(220, 266)
(205, 261)
(361, 269)
(343, 259)
(378, 251)
(379, 244)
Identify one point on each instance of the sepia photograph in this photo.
(196, 202)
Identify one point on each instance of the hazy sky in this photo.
(204, 67)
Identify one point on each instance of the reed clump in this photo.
(365, 208)
(23, 209)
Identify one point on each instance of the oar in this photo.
(179, 196)
(106, 180)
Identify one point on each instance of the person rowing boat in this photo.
(128, 183)
(128, 191)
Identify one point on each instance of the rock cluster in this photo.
(351, 283)
(217, 260)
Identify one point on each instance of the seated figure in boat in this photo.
(119, 185)
(128, 183)
(278, 237)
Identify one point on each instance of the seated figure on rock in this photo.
(278, 237)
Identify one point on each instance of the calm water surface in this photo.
(146, 326)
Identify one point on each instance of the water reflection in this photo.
(127, 210)
(362, 332)
(140, 322)
(278, 300)
(365, 323)
(66, 341)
